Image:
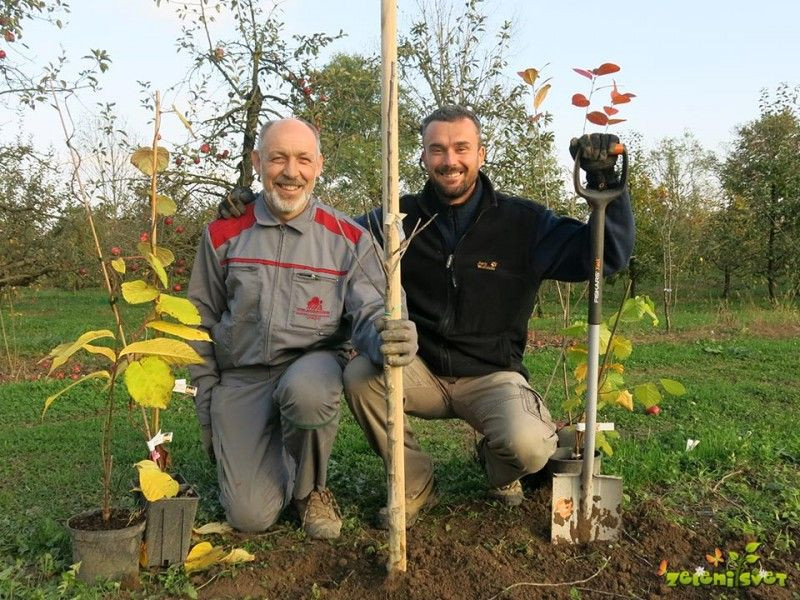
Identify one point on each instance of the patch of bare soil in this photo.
(483, 551)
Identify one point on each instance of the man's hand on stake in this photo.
(235, 203)
(596, 158)
(399, 337)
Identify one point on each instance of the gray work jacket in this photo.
(268, 291)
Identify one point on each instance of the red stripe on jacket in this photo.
(222, 230)
(282, 265)
(338, 226)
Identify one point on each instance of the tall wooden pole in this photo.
(396, 472)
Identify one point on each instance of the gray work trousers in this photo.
(519, 432)
(273, 431)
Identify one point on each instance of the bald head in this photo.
(270, 124)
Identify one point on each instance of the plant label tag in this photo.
(157, 440)
(181, 387)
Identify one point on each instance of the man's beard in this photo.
(286, 207)
(451, 193)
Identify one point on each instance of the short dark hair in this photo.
(450, 113)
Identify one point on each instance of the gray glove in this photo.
(399, 337)
(235, 203)
(596, 159)
(206, 438)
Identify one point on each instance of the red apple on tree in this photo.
(196, 160)
(180, 229)
(116, 250)
(205, 148)
(168, 221)
(181, 262)
(178, 161)
(9, 35)
(144, 237)
(2, 54)
(653, 410)
(177, 287)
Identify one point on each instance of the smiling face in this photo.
(452, 154)
(288, 163)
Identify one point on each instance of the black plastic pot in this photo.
(562, 462)
(106, 554)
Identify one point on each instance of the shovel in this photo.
(587, 507)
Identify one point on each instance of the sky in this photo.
(693, 65)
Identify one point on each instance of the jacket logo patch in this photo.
(487, 265)
(314, 310)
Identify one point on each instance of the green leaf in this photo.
(751, 558)
(672, 387)
(142, 159)
(94, 375)
(179, 308)
(601, 443)
(158, 268)
(733, 556)
(621, 347)
(118, 265)
(66, 351)
(172, 351)
(139, 291)
(752, 547)
(150, 382)
(165, 206)
(577, 330)
(187, 333)
(647, 394)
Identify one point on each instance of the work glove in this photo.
(235, 203)
(206, 438)
(596, 160)
(399, 337)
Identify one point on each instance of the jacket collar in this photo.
(301, 223)
(430, 203)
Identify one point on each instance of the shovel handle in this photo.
(597, 198)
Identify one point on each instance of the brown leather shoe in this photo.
(320, 515)
(425, 499)
(510, 495)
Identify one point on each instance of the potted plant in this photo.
(107, 541)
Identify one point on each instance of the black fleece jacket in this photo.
(471, 306)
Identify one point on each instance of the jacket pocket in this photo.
(244, 293)
(314, 302)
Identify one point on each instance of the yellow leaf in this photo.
(150, 382)
(183, 120)
(580, 371)
(139, 291)
(618, 367)
(540, 96)
(165, 206)
(142, 159)
(65, 352)
(118, 265)
(621, 347)
(529, 75)
(104, 350)
(202, 556)
(154, 483)
(143, 555)
(174, 352)
(625, 399)
(213, 527)
(165, 255)
(95, 375)
(156, 265)
(238, 555)
(182, 331)
(56, 351)
(180, 308)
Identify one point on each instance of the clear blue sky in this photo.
(695, 65)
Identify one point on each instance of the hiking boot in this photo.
(320, 515)
(425, 499)
(510, 495)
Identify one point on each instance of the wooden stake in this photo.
(396, 472)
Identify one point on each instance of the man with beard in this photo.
(281, 289)
(471, 279)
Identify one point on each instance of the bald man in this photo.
(280, 290)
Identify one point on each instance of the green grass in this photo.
(739, 365)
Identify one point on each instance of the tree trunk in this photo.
(252, 113)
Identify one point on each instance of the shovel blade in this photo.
(568, 525)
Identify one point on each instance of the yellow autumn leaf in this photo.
(142, 159)
(154, 483)
(158, 268)
(212, 528)
(238, 555)
(165, 255)
(165, 206)
(182, 331)
(118, 265)
(179, 308)
(139, 291)
(529, 75)
(103, 350)
(580, 371)
(203, 556)
(174, 352)
(64, 352)
(96, 375)
(56, 351)
(540, 96)
(618, 367)
(183, 120)
(625, 399)
(150, 382)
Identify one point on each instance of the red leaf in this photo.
(584, 72)
(610, 110)
(605, 69)
(617, 98)
(597, 118)
(615, 121)
(536, 117)
(580, 100)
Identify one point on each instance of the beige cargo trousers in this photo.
(519, 432)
